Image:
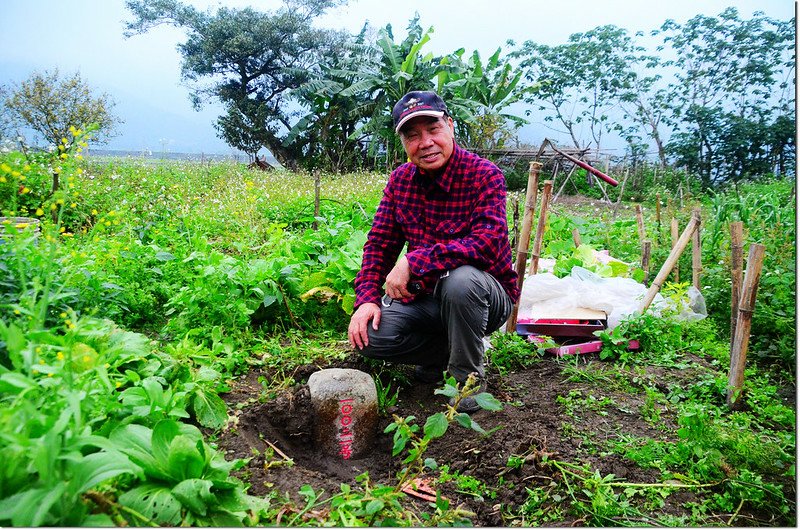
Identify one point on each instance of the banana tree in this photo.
(476, 95)
(380, 83)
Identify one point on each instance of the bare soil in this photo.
(534, 424)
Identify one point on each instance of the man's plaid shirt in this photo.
(457, 219)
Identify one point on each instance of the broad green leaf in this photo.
(436, 425)
(374, 506)
(195, 494)
(97, 467)
(163, 434)
(488, 402)
(209, 409)
(448, 390)
(185, 460)
(464, 420)
(155, 502)
(31, 507)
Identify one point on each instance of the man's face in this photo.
(429, 142)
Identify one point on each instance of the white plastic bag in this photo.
(545, 294)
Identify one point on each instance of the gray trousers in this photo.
(445, 328)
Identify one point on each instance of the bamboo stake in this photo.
(672, 259)
(673, 228)
(515, 219)
(576, 237)
(737, 264)
(537, 240)
(697, 262)
(658, 218)
(317, 186)
(525, 235)
(747, 302)
(640, 223)
(646, 247)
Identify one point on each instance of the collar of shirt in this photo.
(445, 178)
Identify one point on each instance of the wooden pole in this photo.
(317, 186)
(640, 223)
(576, 237)
(672, 259)
(525, 235)
(697, 262)
(673, 228)
(747, 302)
(658, 218)
(537, 240)
(646, 248)
(737, 264)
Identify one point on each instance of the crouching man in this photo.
(456, 282)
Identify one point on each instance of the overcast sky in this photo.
(142, 73)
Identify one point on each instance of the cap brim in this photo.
(432, 113)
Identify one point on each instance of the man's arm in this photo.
(384, 243)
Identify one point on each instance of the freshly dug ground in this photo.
(534, 425)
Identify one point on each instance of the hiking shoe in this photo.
(431, 373)
(469, 404)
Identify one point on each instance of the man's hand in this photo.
(357, 332)
(397, 280)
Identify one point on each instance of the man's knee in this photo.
(464, 285)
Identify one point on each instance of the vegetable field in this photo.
(158, 326)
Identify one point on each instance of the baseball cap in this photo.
(417, 103)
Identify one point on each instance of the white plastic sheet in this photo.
(546, 294)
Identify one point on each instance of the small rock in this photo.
(345, 404)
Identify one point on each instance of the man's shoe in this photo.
(469, 404)
(428, 374)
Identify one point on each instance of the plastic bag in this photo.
(546, 294)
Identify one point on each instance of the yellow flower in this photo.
(15, 173)
(64, 141)
(39, 211)
(26, 190)
(6, 168)
(41, 361)
(3, 179)
(94, 212)
(60, 201)
(62, 315)
(60, 356)
(22, 177)
(108, 223)
(118, 384)
(62, 229)
(63, 156)
(50, 374)
(73, 204)
(53, 206)
(16, 312)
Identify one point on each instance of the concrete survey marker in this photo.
(345, 405)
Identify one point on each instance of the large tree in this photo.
(578, 84)
(732, 93)
(249, 61)
(50, 104)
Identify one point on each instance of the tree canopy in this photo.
(51, 104)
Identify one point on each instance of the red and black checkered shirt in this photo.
(458, 218)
